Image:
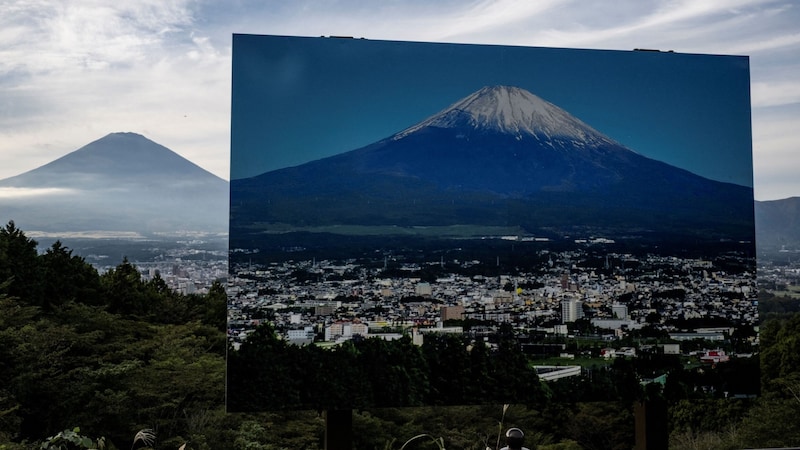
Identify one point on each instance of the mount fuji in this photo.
(122, 182)
(500, 156)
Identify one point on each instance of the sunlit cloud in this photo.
(21, 193)
(98, 234)
(766, 94)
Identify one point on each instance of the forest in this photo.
(90, 360)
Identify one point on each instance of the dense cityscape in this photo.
(617, 294)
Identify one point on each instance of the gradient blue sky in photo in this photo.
(297, 99)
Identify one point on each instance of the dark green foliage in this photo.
(395, 371)
(66, 277)
(215, 307)
(600, 426)
(780, 340)
(267, 373)
(704, 415)
(770, 305)
(48, 280)
(126, 291)
(12, 317)
(110, 353)
(771, 423)
(18, 264)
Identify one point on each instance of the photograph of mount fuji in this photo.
(431, 206)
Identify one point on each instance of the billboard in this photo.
(437, 224)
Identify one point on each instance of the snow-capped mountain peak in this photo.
(511, 110)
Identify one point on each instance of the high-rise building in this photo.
(571, 310)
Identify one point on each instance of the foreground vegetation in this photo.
(113, 355)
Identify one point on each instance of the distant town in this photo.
(189, 264)
(585, 292)
(186, 276)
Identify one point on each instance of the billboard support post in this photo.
(650, 418)
(338, 429)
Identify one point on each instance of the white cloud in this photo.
(765, 94)
(55, 36)
(766, 43)
(22, 193)
(488, 15)
(96, 234)
(685, 26)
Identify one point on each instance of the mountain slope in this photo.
(121, 182)
(500, 156)
(778, 224)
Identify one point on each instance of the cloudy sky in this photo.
(72, 71)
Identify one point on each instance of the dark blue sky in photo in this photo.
(297, 99)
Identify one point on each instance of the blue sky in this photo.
(299, 99)
(72, 71)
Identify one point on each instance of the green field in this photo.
(453, 231)
(791, 292)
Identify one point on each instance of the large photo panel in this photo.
(441, 224)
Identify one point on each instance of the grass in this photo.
(791, 292)
(454, 231)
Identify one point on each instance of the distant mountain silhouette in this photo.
(778, 224)
(500, 156)
(121, 182)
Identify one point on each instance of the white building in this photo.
(423, 289)
(571, 310)
(619, 311)
(345, 330)
(300, 334)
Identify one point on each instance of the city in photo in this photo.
(443, 224)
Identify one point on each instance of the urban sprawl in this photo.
(328, 302)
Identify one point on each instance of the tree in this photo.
(18, 264)
(780, 354)
(65, 277)
(263, 372)
(770, 424)
(215, 307)
(449, 370)
(12, 316)
(396, 371)
(123, 289)
(602, 425)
